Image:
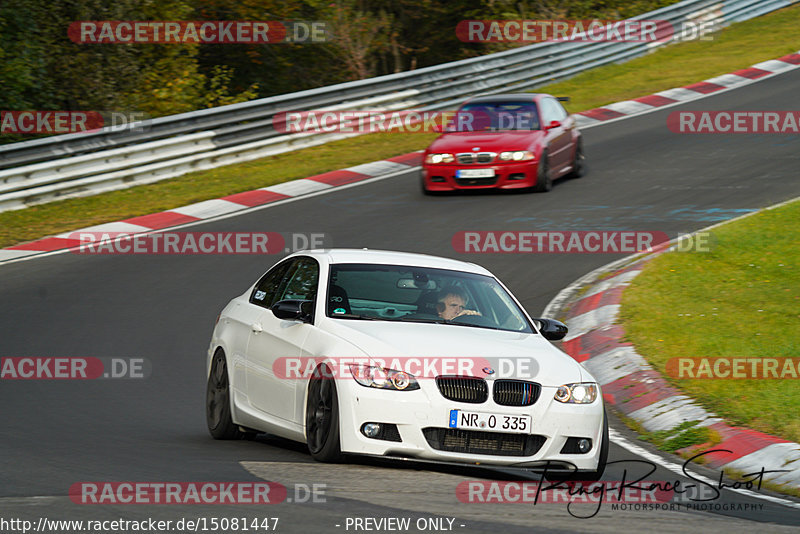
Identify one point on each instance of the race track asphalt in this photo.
(162, 308)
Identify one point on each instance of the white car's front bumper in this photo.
(413, 411)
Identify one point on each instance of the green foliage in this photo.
(684, 435)
(738, 300)
(40, 68)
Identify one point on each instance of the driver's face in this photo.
(453, 306)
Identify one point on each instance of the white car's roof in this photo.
(388, 257)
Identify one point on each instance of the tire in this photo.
(579, 162)
(601, 463)
(322, 417)
(543, 181)
(218, 401)
(422, 186)
(428, 192)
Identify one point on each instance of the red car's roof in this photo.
(517, 97)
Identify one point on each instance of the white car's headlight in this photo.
(517, 155)
(439, 158)
(381, 378)
(581, 393)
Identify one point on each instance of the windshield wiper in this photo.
(433, 321)
(354, 316)
(445, 321)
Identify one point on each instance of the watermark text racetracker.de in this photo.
(734, 122)
(196, 242)
(197, 32)
(583, 30)
(208, 492)
(72, 368)
(400, 121)
(575, 242)
(639, 496)
(732, 368)
(63, 121)
(388, 367)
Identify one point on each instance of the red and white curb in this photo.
(646, 104)
(209, 209)
(218, 207)
(590, 307)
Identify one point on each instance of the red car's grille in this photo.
(468, 158)
(476, 181)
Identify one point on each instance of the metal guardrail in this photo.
(47, 169)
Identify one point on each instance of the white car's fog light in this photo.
(371, 430)
(584, 445)
(582, 393)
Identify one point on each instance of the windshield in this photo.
(422, 295)
(496, 116)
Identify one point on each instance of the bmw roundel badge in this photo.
(488, 370)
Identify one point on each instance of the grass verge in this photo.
(686, 434)
(739, 300)
(736, 47)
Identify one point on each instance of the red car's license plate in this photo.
(475, 173)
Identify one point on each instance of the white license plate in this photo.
(475, 173)
(490, 422)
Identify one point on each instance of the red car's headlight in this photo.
(517, 155)
(439, 158)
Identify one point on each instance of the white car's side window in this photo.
(266, 289)
(302, 284)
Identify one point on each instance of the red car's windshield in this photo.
(495, 116)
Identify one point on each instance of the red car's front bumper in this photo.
(507, 176)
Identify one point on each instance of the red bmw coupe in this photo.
(507, 141)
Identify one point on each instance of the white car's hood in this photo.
(509, 354)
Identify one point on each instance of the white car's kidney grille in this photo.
(463, 388)
(515, 392)
(477, 442)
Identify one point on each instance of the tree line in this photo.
(42, 69)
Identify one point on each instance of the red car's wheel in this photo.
(543, 181)
(579, 161)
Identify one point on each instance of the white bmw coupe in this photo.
(401, 355)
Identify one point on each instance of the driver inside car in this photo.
(452, 303)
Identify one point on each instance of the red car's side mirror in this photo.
(553, 124)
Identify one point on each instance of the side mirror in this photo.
(553, 124)
(552, 329)
(293, 310)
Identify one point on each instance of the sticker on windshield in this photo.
(260, 295)
(339, 310)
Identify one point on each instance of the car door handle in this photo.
(256, 327)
